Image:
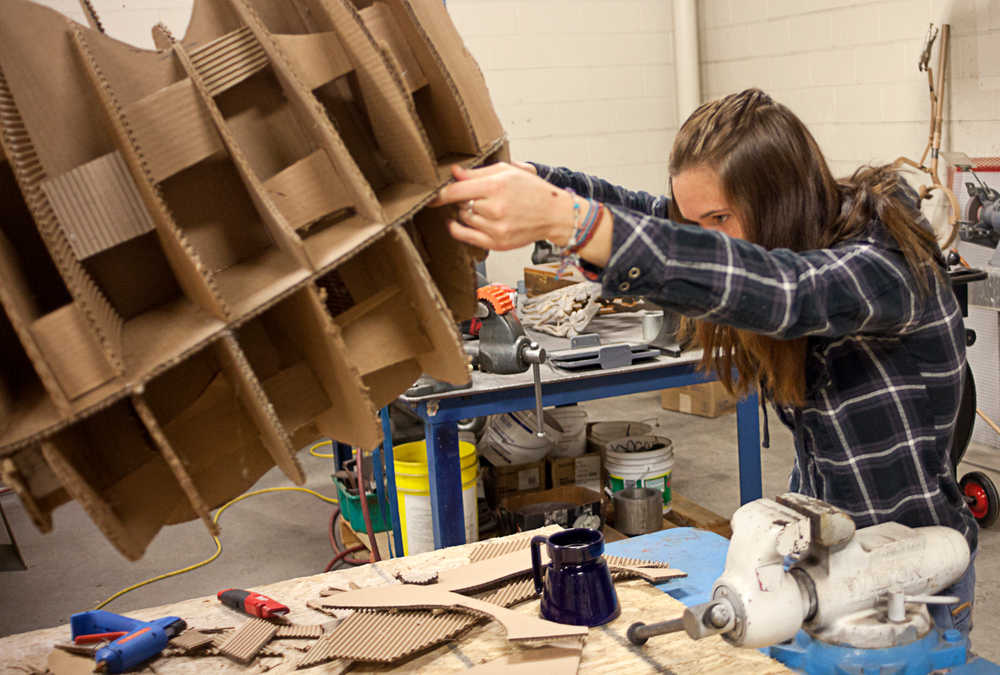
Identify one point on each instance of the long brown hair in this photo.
(774, 175)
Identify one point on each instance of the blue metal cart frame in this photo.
(442, 412)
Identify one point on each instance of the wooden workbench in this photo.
(606, 650)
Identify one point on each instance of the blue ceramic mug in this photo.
(576, 585)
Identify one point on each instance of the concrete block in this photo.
(811, 32)
(832, 67)
(655, 16)
(726, 43)
(878, 63)
(485, 18)
(789, 72)
(558, 151)
(904, 20)
(658, 80)
(643, 114)
(906, 103)
(856, 25)
(779, 8)
(858, 103)
(769, 38)
(714, 13)
(813, 105)
(747, 11)
(617, 82)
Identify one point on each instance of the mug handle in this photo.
(536, 560)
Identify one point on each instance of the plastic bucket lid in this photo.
(602, 433)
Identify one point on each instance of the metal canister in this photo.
(638, 510)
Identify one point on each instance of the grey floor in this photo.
(280, 536)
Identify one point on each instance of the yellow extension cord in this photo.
(218, 543)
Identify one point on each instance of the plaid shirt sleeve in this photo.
(858, 286)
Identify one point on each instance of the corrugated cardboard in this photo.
(581, 501)
(167, 216)
(500, 482)
(584, 471)
(709, 399)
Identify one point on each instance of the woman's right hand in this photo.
(505, 206)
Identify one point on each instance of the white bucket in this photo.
(602, 433)
(640, 461)
(572, 442)
(510, 439)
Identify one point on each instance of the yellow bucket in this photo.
(413, 493)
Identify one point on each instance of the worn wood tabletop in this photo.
(606, 649)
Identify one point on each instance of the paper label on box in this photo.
(528, 479)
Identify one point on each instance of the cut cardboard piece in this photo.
(107, 465)
(159, 303)
(306, 370)
(245, 642)
(549, 660)
(411, 325)
(378, 18)
(451, 263)
(173, 128)
(397, 132)
(98, 205)
(71, 351)
(317, 58)
(518, 627)
(40, 491)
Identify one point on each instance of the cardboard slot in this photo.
(25, 407)
(43, 288)
(308, 190)
(27, 474)
(71, 351)
(380, 21)
(263, 124)
(377, 95)
(317, 58)
(341, 101)
(191, 275)
(205, 415)
(452, 264)
(109, 464)
(213, 208)
(173, 128)
(305, 368)
(459, 98)
(412, 324)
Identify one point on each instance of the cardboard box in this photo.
(568, 506)
(709, 399)
(584, 471)
(500, 482)
(212, 249)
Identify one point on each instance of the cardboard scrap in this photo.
(245, 642)
(191, 640)
(549, 660)
(519, 628)
(186, 203)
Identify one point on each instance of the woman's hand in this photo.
(502, 207)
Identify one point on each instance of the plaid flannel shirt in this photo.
(884, 365)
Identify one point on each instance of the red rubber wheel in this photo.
(981, 495)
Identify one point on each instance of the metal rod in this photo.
(537, 374)
(639, 632)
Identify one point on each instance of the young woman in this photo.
(830, 297)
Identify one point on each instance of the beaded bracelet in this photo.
(583, 232)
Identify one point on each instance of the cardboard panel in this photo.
(447, 112)
(107, 464)
(25, 405)
(450, 262)
(313, 118)
(30, 172)
(228, 60)
(191, 274)
(381, 331)
(379, 20)
(282, 235)
(276, 440)
(27, 474)
(308, 190)
(173, 128)
(71, 351)
(99, 205)
(175, 463)
(398, 131)
(442, 44)
(302, 321)
(317, 58)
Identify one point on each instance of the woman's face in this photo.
(698, 194)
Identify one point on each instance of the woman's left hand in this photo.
(502, 207)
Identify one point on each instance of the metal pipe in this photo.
(639, 633)
(686, 59)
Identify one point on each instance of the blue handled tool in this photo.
(142, 640)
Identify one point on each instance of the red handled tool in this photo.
(253, 604)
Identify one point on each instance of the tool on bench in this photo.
(503, 347)
(860, 597)
(253, 604)
(142, 640)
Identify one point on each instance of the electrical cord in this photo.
(338, 547)
(312, 450)
(218, 542)
(343, 556)
(365, 512)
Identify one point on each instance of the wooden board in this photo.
(606, 649)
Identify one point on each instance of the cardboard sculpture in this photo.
(214, 252)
